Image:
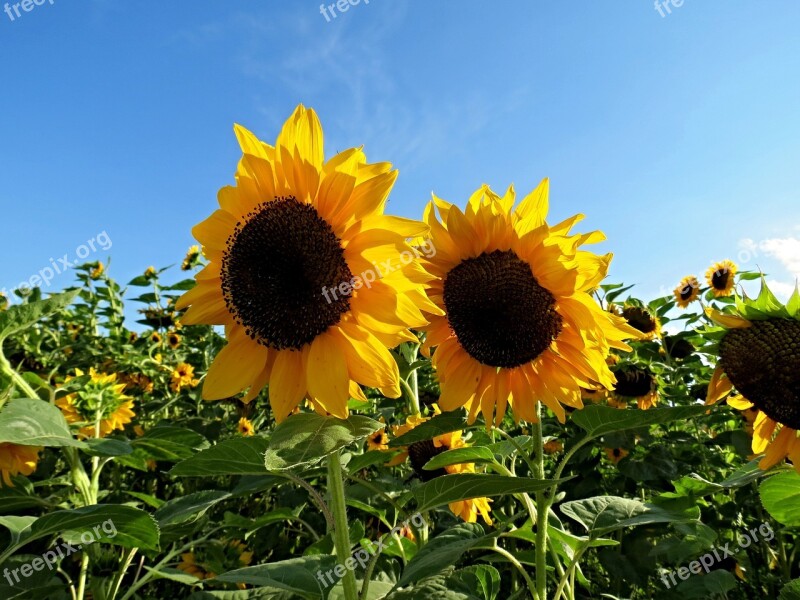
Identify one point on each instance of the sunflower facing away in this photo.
(759, 358)
(520, 325)
(17, 460)
(101, 405)
(293, 276)
(721, 277)
(419, 453)
(641, 319)
(688, 291)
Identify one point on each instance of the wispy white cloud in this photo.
(785, 251)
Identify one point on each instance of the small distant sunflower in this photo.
(616, 454)
(215, 557)
(101, 405)
(759, 357)
(191, 258)
(173, 339)
(97, 271)
(3, 302)
(721, 277)
(286, 252)
(642, 320)
(138, 430)
(678, 347)
(638, 383)
(155, 337)
(150, 272)
(245, 427)
(553, 446)
(378, 440)
(135, 381)
(17, 460)
(520, 326)
(688, 291)
(182, 376)
(419, 453)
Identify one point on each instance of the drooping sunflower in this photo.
(419, 453)
(641, 319)
(101, 405)
(759, 357)
(520, 325)
(293, 275)
(688, 291)
(638, 383)
(721, 277)
(17, 460)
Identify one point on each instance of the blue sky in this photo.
(679, 136)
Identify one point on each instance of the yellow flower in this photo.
(150, 272)
(97, 271)
(3, 301)
(553, 446)
(421, 452)
(293, 275)
(688, 291)
(138, 430)
(183, 376)
(378, 440)
(246, 427)
(721, 277)
(191, 258)
(642, 320)
(639, 383)
(101, 405)
(155, 337)
(759, 355)
(17, 460)
(173, 339)
(616, 454)
(520, 325)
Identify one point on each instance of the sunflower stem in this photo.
(341, 531)
(542, 508)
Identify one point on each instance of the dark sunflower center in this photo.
(616, 452)
(281, 272)
(634, 383)
(763, 363)
(678, 348)
(500, 314)
(639, 318)
(419, 453)
(686, 292)
(720, 278)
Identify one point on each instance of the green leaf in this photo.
(601, 420)
(442, 551)
(451, 488)
(188, 508)
(21, 316)
(435, 588)
(14, 499)
(35, 423)
(305, 439)
(780, 495)
(474, 454)
(107, 447)
(603, 514)
(111, 523)
(368, 459)
(298, 575)
(793, 305)
(237, 456)
(484, 579)
(438, 425)
(791, 591)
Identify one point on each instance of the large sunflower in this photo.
(16, 460)
(520, 324)
(721, 277)
(759, 357)
(307, 275)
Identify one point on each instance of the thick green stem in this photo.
(542, 508)
(341, 531)
(16, 378)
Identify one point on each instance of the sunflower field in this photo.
(329, 402)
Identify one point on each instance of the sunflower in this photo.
(294, 276)
(205, 562)
(173, 339)
(101, 405)
(150, 272)
(183, 376)
(378, 440)
(688, 291)
(759, 357)
(638, 383)
(642, 320)
(3, 301)
(17, 460)
(155, 337)
(97, 271)
(721, 277)
(616, 454)
(419, 453)
(519, 325)
(553, 446)
(191, 258)
(245, 427)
